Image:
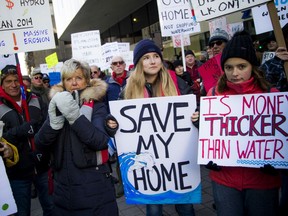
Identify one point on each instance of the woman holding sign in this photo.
(151, 79)
(241, 191)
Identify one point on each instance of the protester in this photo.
(241, 191)
(95, 72)
(192, 65)
(20, 132)
(46, 81)
(274, 68)
(27, 82)
(179, 70)
(218, 40)
(37, 86)
(77, 130)
(147, 80)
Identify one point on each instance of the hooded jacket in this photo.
(82, 181)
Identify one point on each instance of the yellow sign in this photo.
(51, 60)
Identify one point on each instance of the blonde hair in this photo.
(163, 86)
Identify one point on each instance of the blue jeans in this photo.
(181, 209)
(249, 202)
(46, 201)
(22, 194)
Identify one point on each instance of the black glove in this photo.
(213, 166)
(27, 129)
(269, 170)
(42, 161)
(111, 131)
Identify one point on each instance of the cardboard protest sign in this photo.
(22, 29)
(261, 15)
(244, 130)
(86, 46)
(157, 149)
(210, 72)
(206, 9)
(7, 202)
(176, 18)
(51, 60)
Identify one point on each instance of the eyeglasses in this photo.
(38, 77)
(218, 43)
(118, 62)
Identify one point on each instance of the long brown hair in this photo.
(258, 80)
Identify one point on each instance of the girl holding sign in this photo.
(240, 191)
(151, 79)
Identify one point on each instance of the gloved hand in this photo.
(213, 166)
(111, 125)
(42, 161)
(269, 170)
(27, 129)
(56, 120)
(67, 106)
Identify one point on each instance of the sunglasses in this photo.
(38, 77)
(218, 43)
(46, 82)
(118, 62)
(94, 72)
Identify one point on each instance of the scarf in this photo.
(87, 110)
(119, 79)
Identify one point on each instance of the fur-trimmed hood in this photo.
(96, 90)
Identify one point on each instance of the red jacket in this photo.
(242, 177)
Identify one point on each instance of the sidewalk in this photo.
(203, 209)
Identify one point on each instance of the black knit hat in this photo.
(189, 52)
(177, 63)
(143, 47)
(240, 46)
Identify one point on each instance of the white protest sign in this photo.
(177, 40)
(86, 46)
(157, 149)
(57, 68)
(25, 26)
(8, 59)
(7, 202)
(108, 51)
(267, 56)
(207, 9)
(123, 47)
(176, 18)
(261, 15)
(244, 130)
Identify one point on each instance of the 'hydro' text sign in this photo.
(25, 26)
(157, 149)
(209, 9)
(176, 18)
(244, 130)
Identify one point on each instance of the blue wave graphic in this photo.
(133, 196)
(263, 162)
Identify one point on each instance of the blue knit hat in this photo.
(218, 34)
(143, 47)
